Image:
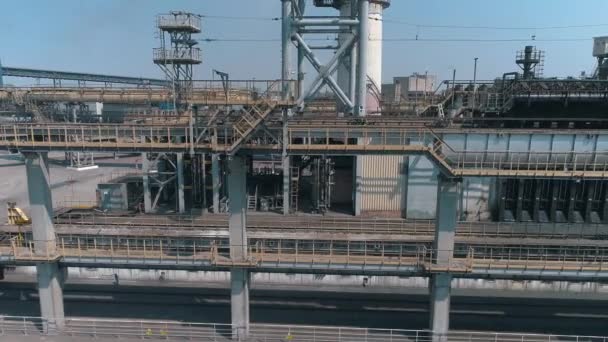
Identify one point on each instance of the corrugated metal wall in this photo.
(384, 182)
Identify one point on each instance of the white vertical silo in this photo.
(374, 53)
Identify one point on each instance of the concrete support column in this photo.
(554, 196)
(216, 181)
(203, 162)
(538, 184)
(443, 245)
(446, 220)
(145, 169)
(239, 303)
(357, 184)
(181, 204)
(440, 288)
(41, 202)
(502, 198)
(50, 278)
(237, 224)
(571, 200)
(237, 194)
(520, 200)
(589, 200)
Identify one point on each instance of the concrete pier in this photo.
(443, 246)
(181, 204)
(50, 277)
(239, 303)
(216, 181)
(145, 169)
(237, 222)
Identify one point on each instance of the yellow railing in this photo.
(281, 253)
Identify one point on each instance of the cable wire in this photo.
(395, 21)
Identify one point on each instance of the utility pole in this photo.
(426, 77)
(453, 86)
(474, 83)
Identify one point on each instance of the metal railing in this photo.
(323, 254)
(320, 140)
(174, 55)
(331, 224)
(175, 330)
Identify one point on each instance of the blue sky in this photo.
(117, 36)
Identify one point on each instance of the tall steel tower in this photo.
(178, 52)
(531, 61)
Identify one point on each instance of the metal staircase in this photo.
(252, 201)
(506, 98)
(437, 153)
(248, 122)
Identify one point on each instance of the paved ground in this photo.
(375, 310)
(66, 184)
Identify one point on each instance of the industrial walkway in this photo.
(324, 141)
(342, 257)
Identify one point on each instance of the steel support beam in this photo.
(443, 247)
(286, 170)
(363, 57)
(325, 22)
(181, 204)
(353, 75)
(286, 30)
(300, 10)
(50, 278)
(324, 71)
(286, 75)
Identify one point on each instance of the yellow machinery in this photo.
(16, 216)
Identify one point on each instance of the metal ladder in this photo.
(294, 190)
